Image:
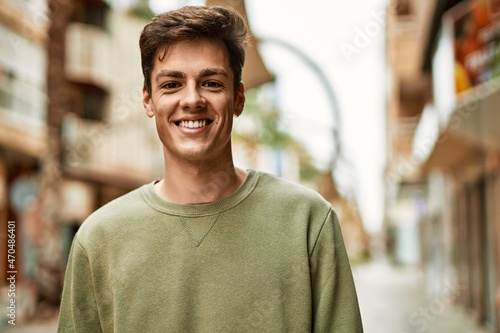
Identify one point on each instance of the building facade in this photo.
(449, 167)
(104, 114)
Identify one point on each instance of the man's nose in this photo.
(192, 99)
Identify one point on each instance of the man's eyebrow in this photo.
(169, 73)
(213, 71)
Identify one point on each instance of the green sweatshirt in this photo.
(268, 258)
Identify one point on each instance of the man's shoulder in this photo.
(293, 206)
(288, 191)
(114, 213)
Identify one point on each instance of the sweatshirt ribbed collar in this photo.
(154, 200)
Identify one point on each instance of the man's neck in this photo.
(197, 183)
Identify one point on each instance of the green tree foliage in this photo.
(266, 126)
(141, 9)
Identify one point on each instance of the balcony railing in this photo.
(88, 54)
(122, 148)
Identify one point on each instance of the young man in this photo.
(210, 247)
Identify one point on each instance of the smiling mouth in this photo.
(193, 123)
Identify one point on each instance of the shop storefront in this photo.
(466, 151)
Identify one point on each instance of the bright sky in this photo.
(346, 39)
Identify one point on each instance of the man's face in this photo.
(193, 100)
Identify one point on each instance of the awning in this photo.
(453, 151)
(93, 175)
(255, 72)
(24, 140)
(472, 132)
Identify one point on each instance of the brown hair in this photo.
(194, 23)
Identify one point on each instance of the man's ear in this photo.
(240, 100)
(146, 101)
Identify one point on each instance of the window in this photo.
(403, 7)
(92, 12)
(88, 101)
(6, 84)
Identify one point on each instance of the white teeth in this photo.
(193, 124)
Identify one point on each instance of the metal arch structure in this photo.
(256, 73)
(332, 98)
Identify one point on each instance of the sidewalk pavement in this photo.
(393, 300)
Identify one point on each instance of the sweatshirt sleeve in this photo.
(335, 303)
(78, 312)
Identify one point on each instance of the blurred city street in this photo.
(392, 300)
(386, 108)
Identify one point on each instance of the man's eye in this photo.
(170, 85)
(212, 84)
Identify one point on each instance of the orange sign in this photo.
(476, 27)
